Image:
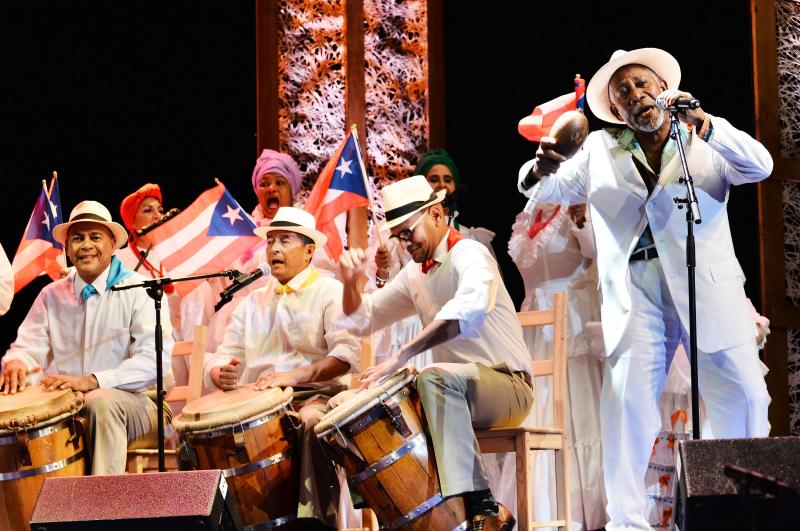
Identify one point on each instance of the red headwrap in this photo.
(130, 205)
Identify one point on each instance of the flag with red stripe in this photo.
(340, 186)
(38, 252)
(537, 124)
(204, 238)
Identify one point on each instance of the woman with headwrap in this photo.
(276, 182)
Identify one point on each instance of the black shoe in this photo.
(503, 521)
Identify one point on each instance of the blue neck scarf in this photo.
(116, 274)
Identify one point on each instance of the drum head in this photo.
(364, 400)
(225, 408)
(34, 406)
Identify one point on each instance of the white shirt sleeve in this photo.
(6, 282)
(32, 344)
(476, 292)
(341, 343)
(743, 159)
(232, 345)
(382, 307)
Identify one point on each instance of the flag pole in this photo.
(63, 255)
(367, 187)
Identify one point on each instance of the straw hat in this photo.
(404, 198)
(294, 220)
(659, 61)
(96, 213)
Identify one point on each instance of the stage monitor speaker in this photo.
(759, 492)
(168, 501)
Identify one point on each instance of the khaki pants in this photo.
(458, 397)
(115, 418)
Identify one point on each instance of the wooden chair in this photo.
(143, 453)
(524, 439)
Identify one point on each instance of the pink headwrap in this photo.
(272, 161)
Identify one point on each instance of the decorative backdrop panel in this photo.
(396, 51)
(311, 81)
(787, 15)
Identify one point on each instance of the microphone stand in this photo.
(692, 217)
(155, 289)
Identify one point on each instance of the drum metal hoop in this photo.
(271, 523)
(258, 465)
(418, 511)
(236, 426)
(24, 436)
(371, 415)
(389, 459)
(50, 467)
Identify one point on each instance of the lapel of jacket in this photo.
(627, 175)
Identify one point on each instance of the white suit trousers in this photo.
(730, 381)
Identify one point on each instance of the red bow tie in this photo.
(428, 264)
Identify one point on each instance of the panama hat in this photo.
(659, 61)
(294, 220)
(405, 197)
(96, 213)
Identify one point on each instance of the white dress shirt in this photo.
(6, 282)
(464, 286)
(271, 332)
(110, 335)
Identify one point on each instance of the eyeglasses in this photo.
(405, 234)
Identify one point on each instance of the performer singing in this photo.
(481, 371)
(101, 341)
(629, 177)
(283, 335)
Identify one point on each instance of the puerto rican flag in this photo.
(340, 186)
(205, 238)
(38, 252)
(537, 125)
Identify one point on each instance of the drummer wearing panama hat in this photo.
(284, 335)
(629, 177)
(481, 368)
(100, 341)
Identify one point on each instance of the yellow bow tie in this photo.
(283, 289)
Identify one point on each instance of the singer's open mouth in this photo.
(643, 110)
(273, 202)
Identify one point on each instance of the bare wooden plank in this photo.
(536, 318)
(267, 38)
(355, 107)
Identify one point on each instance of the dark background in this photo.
(113, 95)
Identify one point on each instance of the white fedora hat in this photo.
(657, 60)
(407, 196)
(294, 220)
(91, 211)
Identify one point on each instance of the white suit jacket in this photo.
(604, 175)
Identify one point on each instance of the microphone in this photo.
(680, 105)
(240, 282)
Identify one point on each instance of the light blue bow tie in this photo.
(87, 291)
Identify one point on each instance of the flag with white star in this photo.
(38, 252)
(340, 186)
(204, 238)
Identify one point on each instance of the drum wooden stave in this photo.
(40, 437)
(380, 439)
(253, 437)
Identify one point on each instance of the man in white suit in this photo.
(629, 178)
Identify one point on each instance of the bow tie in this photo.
(283, 289)
(428, 264)
(87, 291)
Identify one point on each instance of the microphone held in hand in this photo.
(679, 105)
(240, 282)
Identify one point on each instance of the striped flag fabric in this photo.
(204, 238)
(537, 125)
(38, 252)
(340, 186)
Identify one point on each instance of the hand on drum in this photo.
(276, 379)
(14, 375)
(376, 373)
(76, 383)
(226, 377)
